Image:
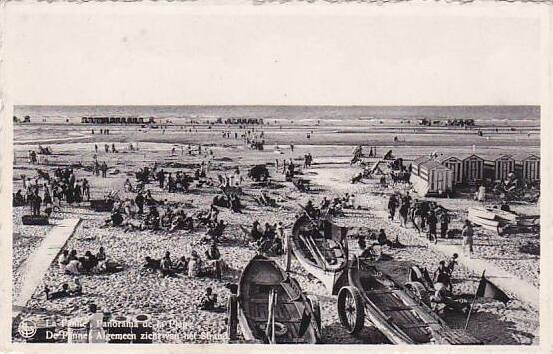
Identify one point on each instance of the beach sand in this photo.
(172, 300)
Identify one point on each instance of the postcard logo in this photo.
(27, 328)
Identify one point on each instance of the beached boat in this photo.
(321, 248)
(494, 214)
(399, 312)
(271, 308)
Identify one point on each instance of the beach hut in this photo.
(419, 161)
(502, 166)
(473, 169)
(455, 164)
(527, 167)
(432, 178)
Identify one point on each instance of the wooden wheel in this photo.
(419, 291)
(232, 317)
(351, 309)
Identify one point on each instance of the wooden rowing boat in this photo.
(494, 214)
(321, 248)
(397, 312)
(269, 301)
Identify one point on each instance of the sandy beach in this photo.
(172, 300)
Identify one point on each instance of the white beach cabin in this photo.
(432, 178)
(455, 164)
(473, 169)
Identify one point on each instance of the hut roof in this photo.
(433, 165)
(445, 157)
(422, 159)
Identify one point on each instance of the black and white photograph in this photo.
(326, 177)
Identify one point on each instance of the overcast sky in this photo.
(269, 55)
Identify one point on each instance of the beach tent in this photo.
(473, 169)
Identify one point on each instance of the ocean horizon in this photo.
(55, 113)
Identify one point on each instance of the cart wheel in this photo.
(419, 291)
(316, 308)
(232, 316)
(351, 309)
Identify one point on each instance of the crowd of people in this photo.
(46, 193)
(193, 266)
(423, 215)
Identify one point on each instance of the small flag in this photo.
(489, 290)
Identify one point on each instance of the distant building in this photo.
(117, 120)
(242, 121)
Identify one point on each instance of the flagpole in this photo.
(473, 301)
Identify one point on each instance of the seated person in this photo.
(215, 232)
(116, 219)
(195, 268)
(128, 186)
(89, 261)
(442, 296)
(152, 219)
(63, 260)
(74, 267)
(77, 289)
(151, 264)
(208, 300)
(255, 234)
(101, 255)
(368, 252)
(381, 238)
(277, 247)
(181, 265)
(18, 199)
(166, 265)
(62, 292)
(214, 257)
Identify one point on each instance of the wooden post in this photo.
(232, 321)
(473, 301)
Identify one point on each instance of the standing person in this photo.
(96, 168)
(403, 212)
(452, 263)
(467, 233)
(161, 178)
(104, 169)
(432, 223)
(86, 189)
(96, 332)
(96, 148)
(139, 200)
(392, 205)
(444, 224)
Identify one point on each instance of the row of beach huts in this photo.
(118, 120)
(440, 174)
